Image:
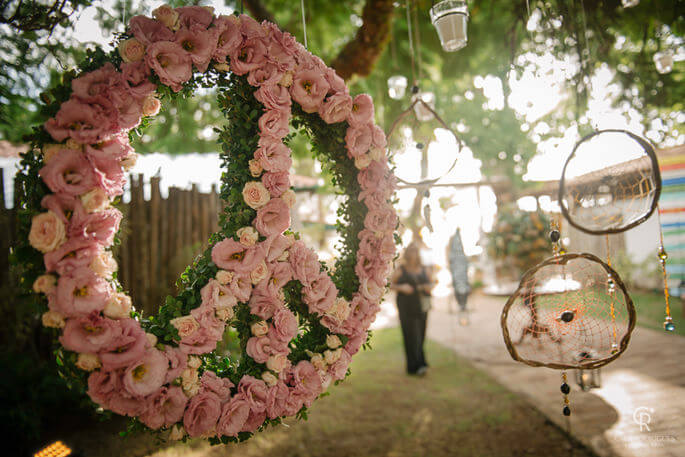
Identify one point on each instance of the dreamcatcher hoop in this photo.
(426, 182)
(561, 260)
(656, 176)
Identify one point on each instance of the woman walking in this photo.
(413, 284)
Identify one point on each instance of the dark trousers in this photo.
(413, 322)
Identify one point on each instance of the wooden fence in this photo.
(160, 237)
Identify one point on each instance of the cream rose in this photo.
(340, 309)
(333, 341)
(318, 362)
(104, 264)
(73, 144)
(167, 16)
(53, 319)
(362, 161)
(260, 272)
(118, 306)
(376, 154)
(151, 339)
(289, 198)
(277, 362)
(131, 50)
(88, 362)
(186, 325)
(269, 378)
(222, 67)
(284, 256)
(95, 200)
(190, 382)
(50, 151)
(194, 362)
(260, 328)
(332, 356)
(248, 236)
(255, 168)
(226, 313)
(44, 284)
(47, 232)
(287, 79)
(176, 433)
(224, 277)
(129, 161)
(151, 106)
(255, 194)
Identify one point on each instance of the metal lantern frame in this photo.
(656, 174)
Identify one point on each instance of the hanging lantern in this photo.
(397, 85)
(588, 379)
(663, 62)
(629, 3)
(450, 18)
(422, 112)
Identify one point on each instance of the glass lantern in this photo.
(588, 379)
(664, 62)
(450, 18)
(422, 113)
(397, 85)
(629, 3)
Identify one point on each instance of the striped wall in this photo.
(672, 212)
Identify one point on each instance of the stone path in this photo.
(638, 411)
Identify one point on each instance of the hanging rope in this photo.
(304, 24)
(418, 40)
(411, 45)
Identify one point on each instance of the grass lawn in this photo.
(650, 308)
(455, 410)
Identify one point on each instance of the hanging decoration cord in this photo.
(417, 31)
(411, 44)
(662, 261)
(304, 24)
(612, 293)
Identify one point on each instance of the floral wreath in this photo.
(297, 323)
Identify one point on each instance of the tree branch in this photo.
(359, 56)
(258, 11)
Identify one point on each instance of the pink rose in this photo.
(255, 391)
(293, 403)
(263, 302)
(233, 256)
(100, 227)
(254, 421)
(74, 254)
(320, 294)
(276, 399)
(189, 16)
(146, 375)
(284, 326)
(306, 381)
(216, 296)
(358, 139)
(85, 123)
(202, 414)
(362, 110)
(255, 194)
(80, 292)
(148, 31)
(103, 385)
(70, 173)
(47, 232)
(259, 348)
(131, 50)
(274, 97)
(171, 62)
(280, 274)
(210, 382)
(165, 407)
(336, 108)
(339, 369)
(273, 155)
(274, 123)
(178, 361)
(241, 286)
(371, 289)
(381, 220)
(229, 37)
(64, 206)
(108, 173)
(89, 334)
(151, 106)
(273, 218)
(355, 342)
(233, 416)
(135, 76)
(336, 82)
(250, 56)
(186, 325)
(259, 273)
(309, 89)
(276, 183)
(251, 28)
(304, 262)
(199, 42)
(128, 347)
(94, 201)
(278, 362)
(379, 140)
(375, 177)
(205, 338)
(267, 74)
(276, 246)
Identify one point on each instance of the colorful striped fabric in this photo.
(672, 213)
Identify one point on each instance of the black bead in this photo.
(567, 316)
(567, 411)
(414, 89)
(565, 389)
(419, 145)
(555, 236)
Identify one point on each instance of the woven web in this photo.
(572, 314)
(609, 187)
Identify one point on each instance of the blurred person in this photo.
(413, 282)
(459, 266)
